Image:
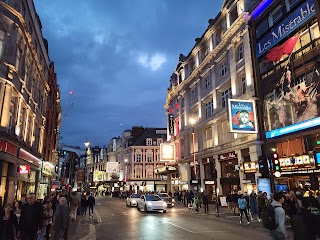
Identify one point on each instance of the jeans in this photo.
(276, 235)
(206, 208)
(28, 235)
(91, 208)
(245, 213)
(84, 211)
(73, 213)
(48, 231)
(42, 234)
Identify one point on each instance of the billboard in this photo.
(293, 104)
(264, 185)
(167, 152)
(112, 167)
(242, 116)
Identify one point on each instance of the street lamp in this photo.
(126, 170)
(193, 121)
(87, 144)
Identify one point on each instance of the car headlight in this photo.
(149, 203)
(172, 200)
(164, 204)
(134, 201)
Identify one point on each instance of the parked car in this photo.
(165, 197)
(132, 200)
(151, 202)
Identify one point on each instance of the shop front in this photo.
(210, 177)
(230, 179)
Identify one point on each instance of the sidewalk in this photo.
(80, 228)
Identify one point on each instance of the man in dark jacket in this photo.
(91, 203)
(205, 201)
(31, 218)
(304, 223)
(61, 221)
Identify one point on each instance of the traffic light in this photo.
(276, 164)
(263, 166)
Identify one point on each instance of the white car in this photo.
(132, 200)
(151, 202)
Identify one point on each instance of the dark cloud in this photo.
(117, 56)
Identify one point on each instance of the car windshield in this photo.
(135, 196)
(163, 195)
(152, 198)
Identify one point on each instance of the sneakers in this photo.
(240, 221)
(248, 223)
(259, 220)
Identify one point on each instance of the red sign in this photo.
(24, 169)
(8, 148)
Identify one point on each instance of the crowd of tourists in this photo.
(29, 219)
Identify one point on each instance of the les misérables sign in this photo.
(280, 31)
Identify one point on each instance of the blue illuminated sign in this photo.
(294, 128)
(260, 8)
(264, 185)
(291, 23)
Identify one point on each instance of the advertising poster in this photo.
(242, 116)
(264, 185)
(167, 152)
(293, 104)
(112, 167)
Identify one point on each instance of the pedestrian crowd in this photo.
(30, 219)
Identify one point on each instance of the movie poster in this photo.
(293, 102)
(242, 116)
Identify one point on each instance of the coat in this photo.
(253, 205)
(61, 220)
(8, 228)
(31, 219)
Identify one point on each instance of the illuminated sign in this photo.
(242, 116)
(28, 157)
(171, 124)
(112, 167)
(24, 169)
(167, 152)
(250, 167)
(291, 23)
(297, 162)
(293, 128)
(264, 185)
(209, 182)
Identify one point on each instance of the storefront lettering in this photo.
(228, 156)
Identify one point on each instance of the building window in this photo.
(208, 83)
(275, 16)
(225, 96)
(262, 28)
(149, 141)
(233, 15)
(149, 172)
(138, 172)
(290, 4)
(244, 85)
(149, 158)
(209, 108)
(194, 95)
(18, 59)
(240, 52)
(1, 42)
(159, 141)
(138, 157)
(223, 69)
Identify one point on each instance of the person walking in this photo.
(242, 203)
(84, 205)
(61, 221)
(74, 206)
(91, 203)
(280, 233)
(8, 224)
(45, 221)
(31, 218)
(50, 220)
(17, 211)
(205, 201)
(261, 203)
(254, 206)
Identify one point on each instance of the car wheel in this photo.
(145, 208)
(164, 211)
(138, 207)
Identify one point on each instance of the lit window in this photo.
(138, 157)
(149, 141)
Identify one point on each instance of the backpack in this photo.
(268, 218)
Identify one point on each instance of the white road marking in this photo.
(179, 227)
(97, 215)
(98, 203)
(125, 213)
(112, 214)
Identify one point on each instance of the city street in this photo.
(113, 220)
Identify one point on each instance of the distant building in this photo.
(137, 153)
